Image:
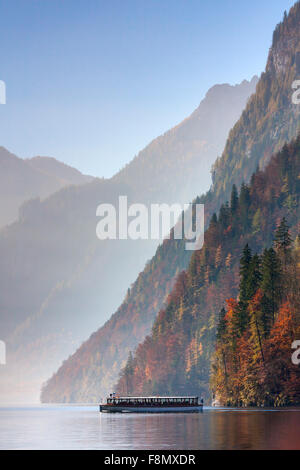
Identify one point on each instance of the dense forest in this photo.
(177, 356)
(253, 360)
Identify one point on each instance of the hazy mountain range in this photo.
(59, 282)
(38, 177)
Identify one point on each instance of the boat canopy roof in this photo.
(117, 397)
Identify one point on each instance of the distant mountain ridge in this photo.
(38, 177)
(51, 166)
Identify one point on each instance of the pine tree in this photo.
(244, 273)
(254, 277)
(224, 215)
(127, 373)
(221, 329)
(283, 241)
(234, 201)
(244, 203)
(271, 287)
(214, 219)
(250, 277)
(241, 314)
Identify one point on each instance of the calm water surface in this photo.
(83, 427)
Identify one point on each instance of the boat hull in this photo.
(150, 409)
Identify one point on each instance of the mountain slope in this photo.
(60, 387)
(59, 281)
(189, 149)
(21, 180)
(51, 166)
(176, 357)
(270, 118)
(96, 364)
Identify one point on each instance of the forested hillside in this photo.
(242, 156)
(176, 357)
(252, 365)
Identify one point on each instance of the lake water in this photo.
(83, 427)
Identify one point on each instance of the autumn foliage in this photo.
(253, 366)
(248, 257)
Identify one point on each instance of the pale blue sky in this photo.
(91, 82)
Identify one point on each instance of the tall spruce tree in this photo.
(221, 329)
(244, 273)
(224, 215)
(244, 204)
(271, 287)
(234, 200)
(254, 277)
(241, 315)
(283, 241)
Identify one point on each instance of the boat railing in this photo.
(153, 402)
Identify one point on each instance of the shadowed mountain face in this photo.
(59, 282)
(21, 180)
(269, 119)
(178, 163)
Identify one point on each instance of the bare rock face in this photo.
(270, 118)
(285, 49)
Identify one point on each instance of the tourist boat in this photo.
(115, 404)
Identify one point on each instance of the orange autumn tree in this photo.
(282, 378)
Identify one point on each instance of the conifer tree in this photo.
(221, 329)
(127, 373)
(254, 276)
(214, 219)
(244, 203)
(283, 241)
(224, 215)
(271, 287)
(234, 201)
(244, 273)
(241, 314)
